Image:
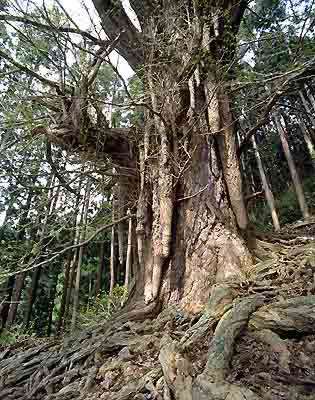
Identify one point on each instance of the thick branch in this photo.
(143, 8)
(237, 14)
(116, 21)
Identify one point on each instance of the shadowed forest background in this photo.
(161, 155)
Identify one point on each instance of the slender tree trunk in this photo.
(129, 253)
(268, 193)
(308, 140)
(51, 301)
(310, 113)
(37, 272)
(16, 296)
(98, 282)
(31, 297)
(5, 305)
(64, 294)
(294, 174)
(90, 287)
(19, 279)
(72, 265)
(112, 262)
(76, 296)
(310, 97)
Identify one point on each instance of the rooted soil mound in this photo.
(255, 340)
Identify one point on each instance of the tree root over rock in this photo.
(255, 340)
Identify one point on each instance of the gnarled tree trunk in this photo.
(184, 181)
(190, 208)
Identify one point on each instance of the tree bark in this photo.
(268, 193)
(294, 175)
(31, 297)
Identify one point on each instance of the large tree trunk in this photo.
(191, 206)
(187, 193)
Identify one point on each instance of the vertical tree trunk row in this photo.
(76, 297)
(265, 184)
(41, 236)
(293, 171)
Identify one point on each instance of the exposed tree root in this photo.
(255, 340)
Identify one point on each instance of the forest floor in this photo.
(255, 340)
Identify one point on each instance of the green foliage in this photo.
(100, 309)
(12, 336)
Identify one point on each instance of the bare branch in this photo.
(51, 27)
(55, 170)
(66, 249)
(28, 71)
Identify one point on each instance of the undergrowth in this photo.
(100, 308)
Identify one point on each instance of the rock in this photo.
(105, 396)
(305, 360)
(109, 379)
(310, 347)
(160, 384)
(125, 354)
(110, 366)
